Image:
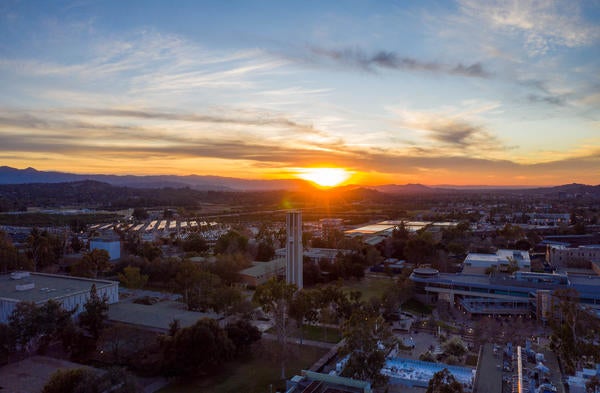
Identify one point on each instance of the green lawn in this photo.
(368, 286)
(319, 333)
(315, 333)
(416, 307)
(253, 375)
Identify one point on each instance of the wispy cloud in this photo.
(544, 24)
(355, 58)
(548, 99)
(456, 130)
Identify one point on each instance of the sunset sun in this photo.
(324, 177)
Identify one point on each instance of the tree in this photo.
(202, 347)
(455, 347)
(367, 340)
(95, 313)
(420, 249)
(195, 243)
(139, 213)
(275, 297)
(9, 255)
(243, 334)
(92, 263)
(32, 327)
(6, 343)
(54, 322)
(592, 385)
(76, 244)
(230, 243)
(187, 278)
(83, 380)
(265, 251)
(132, 278)
(43, 248)
(150, 251)
(67, 381)
(23, 322)
(304, 307)
(444, 382)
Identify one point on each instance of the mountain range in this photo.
(9, 175)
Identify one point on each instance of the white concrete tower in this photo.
(293, 255)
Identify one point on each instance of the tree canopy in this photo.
(444, 382)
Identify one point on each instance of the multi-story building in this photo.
(559, 255)
(520, 293)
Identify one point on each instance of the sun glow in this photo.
(324, 177)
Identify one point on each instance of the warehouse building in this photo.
(71, 292)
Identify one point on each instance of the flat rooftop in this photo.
(30, 375)
(157, 316)
(47, 286)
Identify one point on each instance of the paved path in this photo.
(295, 340)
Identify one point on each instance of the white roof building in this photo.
(500, 259)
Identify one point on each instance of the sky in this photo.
(463, 92)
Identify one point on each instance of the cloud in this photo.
(358, 59)
(554, 100)
(450, 157)
(249, 118)
(542, 24)
(454, 130)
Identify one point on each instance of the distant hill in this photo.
(404, 189)
(10, 175)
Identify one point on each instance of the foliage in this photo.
(200, 348)
(303, 307)
(81, 380)
(150, 251)
(231, 243)
(455, 347)
(10, 259)
(396, 294)
(139, 213)
(444, 382)
(367, 340)
(67, 381)
(132, 278)
(44, 248)
(243, 334)
(194, 243)
(31, 327)
(592, 384)
(92, 263)
(95, 313)
(420, 249)
(265, 251)
(275, 297)
(6, 343)
(227, 266)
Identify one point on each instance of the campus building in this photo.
(313, 382)
(500, 260)
(559, 255)
(261, 272)
(522, 293)
(70, 292)
(111, 245)
(294, 248)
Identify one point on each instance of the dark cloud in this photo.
(548, 99)
(358, 59)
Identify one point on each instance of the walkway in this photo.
(296, 340)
